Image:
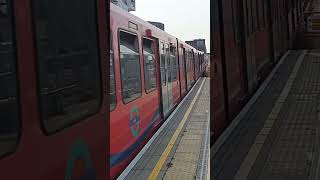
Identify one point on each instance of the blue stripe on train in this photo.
(119, 157)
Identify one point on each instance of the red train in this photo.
(150, 72)
(248, 38)
(53, 93)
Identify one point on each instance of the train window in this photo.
(254, 15)
(9, 109)
(190, 61)
(173, 59)
(263, 19)
(194, 59)
(249, 17)
(235, 18)
(258, 13)
(130, 66)
(4, 8)
(168, 69)
(274, 10)
(198, 63)
(265, 15)
(182, 61)
(277, 14)
(113, 96)
(214, 19)
(149, 65)
(68, 61)
(195, 62)
(186, 54)
(162, 64)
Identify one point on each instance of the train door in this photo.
(166, 85)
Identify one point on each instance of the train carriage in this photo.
(51, 93)
(249, 37)
(136, 107)
(150, 73)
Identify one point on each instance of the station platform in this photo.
(277, 134)
(180, 148)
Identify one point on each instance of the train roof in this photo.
(146, 25)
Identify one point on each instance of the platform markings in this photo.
(156, 170)
(227, 132)
(315, 172)
(128, 169)
(255, 149)
(315, 168)
(206, 154)
(315, 54)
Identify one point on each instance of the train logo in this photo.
(81, 152)
(134, 121)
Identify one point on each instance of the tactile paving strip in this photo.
(186, 158)
(293, 150)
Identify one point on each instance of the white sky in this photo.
(184, 19)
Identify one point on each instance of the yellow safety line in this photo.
(155, 172)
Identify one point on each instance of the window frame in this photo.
(114, 72)
(190, 61)
(155, 68)
(18, 104)
(44, 129)
(176, 63)
(118, 37)
(181, 62)
(168, 62)
(162, 48)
